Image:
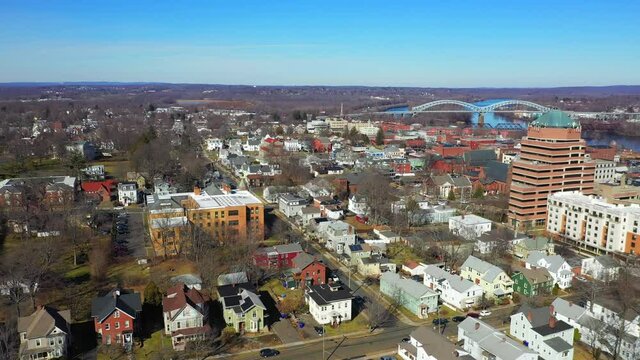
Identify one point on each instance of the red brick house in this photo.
(402, 167)
(308, 271)
(450, 150)
(277, 257)
(99, 189)
(117, 317)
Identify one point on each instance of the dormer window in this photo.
(116, 314)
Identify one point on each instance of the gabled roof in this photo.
(233, 278)
(568, 309)
(479, 157)
(493, 341)
(407, 286)
(102, 307)
(179, 296)
(456, 282)
(301, 261)
(325, 294)
(496, 170)
(607, 261)
(489, 271)
(535, 275)
(43, 321)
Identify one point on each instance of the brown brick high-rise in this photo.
(552, 159)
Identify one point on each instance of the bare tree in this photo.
(8, 340)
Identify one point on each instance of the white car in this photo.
(484, 313)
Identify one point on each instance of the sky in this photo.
(428, 43)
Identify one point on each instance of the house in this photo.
(117, 317)
(242, 308)
(423, 344)
(460, 185)
(252, 145)
(481, 341)
(94, 172)
(494, 281)
(213, 144)
(137, 178)
(602, 268)
(292, 145)
(454, 291)
(307, 271)
(469, 226)
(338, 235)
(45, 334)
(413, 268)
(354, 252)
(387, 236)
(278, 256)
(84, 148)
(358, 205)
(539, 329)
(99, 190)
(291, 204)
(374, 265)
(185, 314)
(523, 246)
(192, 281)
(410, 294)
(51, 190)
(232, 278)
(499, 238)
(163, 187)
(558, 267)
(329, 304)
(308, 213)
(321, 144)
(127, 193)
(532, 281)
(597, 327)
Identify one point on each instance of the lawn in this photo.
(158, 343)
(115, 168)
(274, 286)
(359, 323)
(401, 253)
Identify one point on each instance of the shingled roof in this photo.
(102, 307)
(43, 321)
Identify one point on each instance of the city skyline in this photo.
(466, 44)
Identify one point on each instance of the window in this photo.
(117, 325)
(108, 340)
(233, 212)
(107, 327)
(178, 325)
(116, 314)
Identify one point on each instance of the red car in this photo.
(362, 219)
(473, 315)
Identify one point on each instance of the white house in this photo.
(338, 235)
(454, 291)
(329, 304)
(252, 145)
(424, 344)
(44, 334)
(358, 205)
(557, 266)
(469, 226)
(127, 193)
(292, 145)
(185, 314)
(290, 204)
(213, 144)
(414, 268)
(494, 281)
(540, 330)
(481, 341)
(602, 268)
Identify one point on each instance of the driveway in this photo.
(135, 237)
(286, 332)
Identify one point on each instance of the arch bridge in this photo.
(468, 107)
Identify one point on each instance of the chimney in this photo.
(116, 293)
(570, 303)
(477, 326)
(552, 322)
(530, 316)
(551, 310)
(196, 190)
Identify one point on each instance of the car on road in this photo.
(319, 330)
(484, 313)
(440, 321)
(265, 353)
(457, 319)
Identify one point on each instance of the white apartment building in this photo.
(469, 226)
(594, 224)
(481, 341)
(454, 291)
(605, 171)
(329, 304)
(541, 331)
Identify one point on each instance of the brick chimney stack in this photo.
(552, 322)
(196, 190)
(530, 316)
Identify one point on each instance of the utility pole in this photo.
(323, 336)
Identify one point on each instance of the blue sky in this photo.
(388, 43)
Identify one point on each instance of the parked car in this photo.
(387, 358)
(440, 321)
(581, 278)
(269, 353)
(458, 319)
(484, 313)
(406, 339)
(319, 330)
(473, 315)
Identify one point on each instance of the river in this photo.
(593, 138)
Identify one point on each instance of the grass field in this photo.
(359, 323)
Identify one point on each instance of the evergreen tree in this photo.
(380, 137)
(451, 196)
(152, 295)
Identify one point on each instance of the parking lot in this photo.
(129, 233)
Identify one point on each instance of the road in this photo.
(349, 347)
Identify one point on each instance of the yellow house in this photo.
(495, 283)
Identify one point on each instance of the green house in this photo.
(531, 282)
(242, 308)
(410, 294)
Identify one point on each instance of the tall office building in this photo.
(552, 159)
